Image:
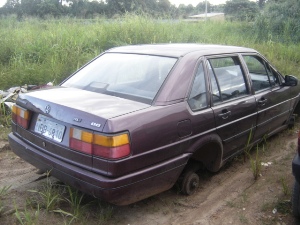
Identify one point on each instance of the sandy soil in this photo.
(231, 196)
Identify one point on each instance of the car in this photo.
(296, 187)
(138, 119)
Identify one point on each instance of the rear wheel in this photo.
(296, 199)
(292, 121)
(190, 183)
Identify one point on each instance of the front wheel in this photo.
(296, 199)
(190, 183)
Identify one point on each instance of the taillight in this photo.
(21, 116)
(110, 147)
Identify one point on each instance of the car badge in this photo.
(95, 124)
(47, 109)
(77, 119)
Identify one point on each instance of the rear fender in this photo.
(209, 151)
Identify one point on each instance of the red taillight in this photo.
(110, 147)
(21, 116)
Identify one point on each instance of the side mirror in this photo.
(290, 80)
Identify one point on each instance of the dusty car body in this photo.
(136, 119)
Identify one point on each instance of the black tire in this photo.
(296, 199)
(190, 183)
(292, 121)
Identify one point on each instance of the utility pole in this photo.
(205, 10)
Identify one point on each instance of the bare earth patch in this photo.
(231, 196)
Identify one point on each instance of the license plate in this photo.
(49, 128)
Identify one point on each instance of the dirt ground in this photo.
(231, 196)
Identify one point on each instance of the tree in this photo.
(261, 3)
(281, 19)
(241, 10)
(185, 11)
(200, 8)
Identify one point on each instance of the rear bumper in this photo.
(120, 191)
(296, 167)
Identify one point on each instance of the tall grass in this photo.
(35, 52)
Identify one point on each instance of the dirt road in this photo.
(231, 196)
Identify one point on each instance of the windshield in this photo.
(131, 76)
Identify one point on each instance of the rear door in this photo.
(233, 105)
(272, 98)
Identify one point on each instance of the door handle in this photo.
(225, 115)
(262, 101)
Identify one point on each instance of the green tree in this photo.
(186, 11)
(200, 8)
(281, 19)
(261, 3)
(241, 10)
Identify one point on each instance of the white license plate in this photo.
(49, 128)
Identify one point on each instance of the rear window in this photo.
(131, 76)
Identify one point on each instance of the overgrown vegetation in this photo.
(3, 192)
(36, 52)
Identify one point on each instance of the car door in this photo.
(272, 98)
(233, 104)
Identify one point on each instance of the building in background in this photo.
(209, 16)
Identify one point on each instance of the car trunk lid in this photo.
(77, 107)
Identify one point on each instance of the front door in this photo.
(272, 98)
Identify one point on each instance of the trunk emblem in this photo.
(77, 119)
(95, 124)
(47, 109)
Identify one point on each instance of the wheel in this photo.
(292, 121)
(296, 199)
(190, 183)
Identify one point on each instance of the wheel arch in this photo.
(209, 151)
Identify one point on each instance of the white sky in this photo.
(174, 2)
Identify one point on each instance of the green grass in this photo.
(36, 52)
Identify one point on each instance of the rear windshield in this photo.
(131, 76)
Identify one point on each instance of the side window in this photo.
(197, 99)
(227, 78)
(262, 75)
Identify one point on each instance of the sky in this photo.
(174, 2)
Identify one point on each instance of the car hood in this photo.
(76, 106)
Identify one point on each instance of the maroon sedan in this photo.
(136, 119)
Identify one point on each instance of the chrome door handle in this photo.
(225, 115)
(262, 102)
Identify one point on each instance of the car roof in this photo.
(177, 50)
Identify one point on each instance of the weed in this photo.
(243, 219)
(5, 115)
(31, 55)
(267, 206)
(50, 195)
(283, 206)
(248, 146)
(104, 213)
(75, 200)
(244, 197)
(230, 204)
(256, 164)
(77, 209)
(26, 217)
(4, 190)
(285, 187)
